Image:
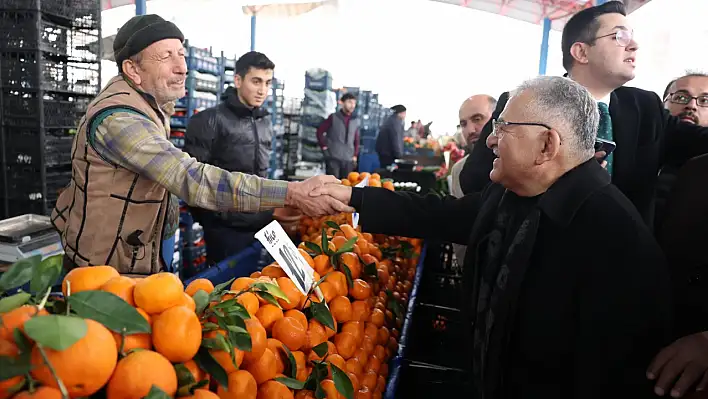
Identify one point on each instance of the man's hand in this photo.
(686, 358)
(600, 155)
(299, 196)
(354, 160)
(337, 191)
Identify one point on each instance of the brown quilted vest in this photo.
(109, 215)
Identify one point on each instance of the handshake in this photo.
(319, 196)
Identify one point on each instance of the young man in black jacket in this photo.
(235, 135)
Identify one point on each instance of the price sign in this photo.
(280, 246)
(355, 215)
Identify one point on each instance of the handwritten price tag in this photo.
(282, 249)
(355, 215)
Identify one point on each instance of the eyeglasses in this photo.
(623, 37)
(685, 98)
(497, 124)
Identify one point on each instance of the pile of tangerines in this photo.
(254, 337)
(355, 178)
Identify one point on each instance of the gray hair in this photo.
(567, 106)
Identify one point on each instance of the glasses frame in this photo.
(497, 123)
(618, 37)
(690, 98)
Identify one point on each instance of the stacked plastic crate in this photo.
(320, 101)
(292, 114)
(274, 105)
(49, 71)
(205, 83)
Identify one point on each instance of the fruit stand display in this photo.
(115, 336)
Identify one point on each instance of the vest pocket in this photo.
(131, 251)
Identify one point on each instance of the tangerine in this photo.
(202, 394)
(158, 292)
(84, 367)
(341, 309)
(199, 284)
(87, 278)
(42, 392)
(290, 332)
(177, 334)
(134, 341)
(264, 368)
(241, 385)
(136, 373)
(121, 286)
(274, 390)
(291, 292)
(259, 340)
(16, 318)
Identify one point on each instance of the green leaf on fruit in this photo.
(322, 314)
(342, 382)
(46, 274)
(321, 349)
(201, 300)
(291, 383)
(14, 302)
(19, 274)
(55, 331)
(110, 310)
(206, 362)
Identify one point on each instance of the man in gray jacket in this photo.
(338, 137)
(389, 144)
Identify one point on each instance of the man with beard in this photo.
(474, 113)
(687, 99)
(681, 228)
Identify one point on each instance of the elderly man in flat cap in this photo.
(118, 209)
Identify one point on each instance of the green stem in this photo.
(60, 383)
(31, 382)
(43, 303)
(122, 344)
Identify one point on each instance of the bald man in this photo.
(474, 113)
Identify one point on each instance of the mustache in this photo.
(688, 115)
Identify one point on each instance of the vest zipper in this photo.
(256, 145)
(135, 258)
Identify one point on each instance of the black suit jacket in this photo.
(682, 235)
(589, 304)
(647, 137)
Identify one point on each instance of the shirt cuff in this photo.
(357, 199)
(273, 193)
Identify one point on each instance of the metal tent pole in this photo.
(543, 60)
(253, 31)
(140, 7)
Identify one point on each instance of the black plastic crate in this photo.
(19, 31)
(440, 259)
(24, 147)
(77, 13)
(61, 110)
(20, 71)
(441, 290)
(437, 337)
(19, 207)
(416, 380)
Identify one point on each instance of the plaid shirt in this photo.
(137, 144)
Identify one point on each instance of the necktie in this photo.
(604, 130)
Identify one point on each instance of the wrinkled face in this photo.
(613, 56)
(474, 114)
(253, 89)
(402, 115)
(349, 105)
(161, 70)
(688, 99)
(516, 146)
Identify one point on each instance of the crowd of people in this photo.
(582, 263)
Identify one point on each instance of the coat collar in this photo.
(562, 201)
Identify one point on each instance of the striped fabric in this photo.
(136, 143)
